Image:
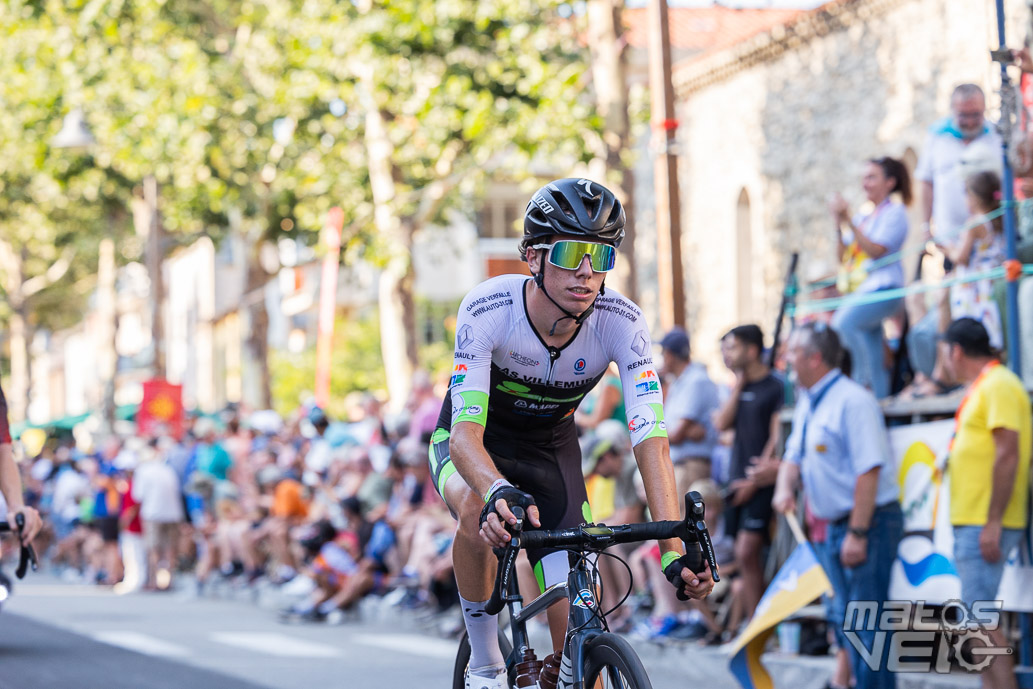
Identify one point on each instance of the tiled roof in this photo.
(700, 30)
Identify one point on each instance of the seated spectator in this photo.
(867, 245)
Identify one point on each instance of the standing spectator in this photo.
(690, 403)
(963, 134)
(752, 412)
(839, 446)
(130, 529)
(867, 244)
(980, 248)
(989, 466)
(156, 487)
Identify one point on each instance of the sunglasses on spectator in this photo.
(568, 254)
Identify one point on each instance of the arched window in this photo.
(744, 266)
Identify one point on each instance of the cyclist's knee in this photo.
(466, 505)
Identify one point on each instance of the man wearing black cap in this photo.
(989, 473)
(689, 405)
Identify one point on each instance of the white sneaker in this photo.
(499, 681)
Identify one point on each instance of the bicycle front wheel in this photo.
(611, 663)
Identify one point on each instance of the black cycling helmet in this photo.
(572, 206)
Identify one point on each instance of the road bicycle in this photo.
(592, 656)
(26, 558)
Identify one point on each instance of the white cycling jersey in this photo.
(505, 374)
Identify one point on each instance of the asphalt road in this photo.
(55, 635)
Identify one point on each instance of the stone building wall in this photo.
(789, 117)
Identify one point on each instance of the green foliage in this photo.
(355, 367)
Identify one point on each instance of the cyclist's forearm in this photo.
(654, 462)
(471, 460)
(10, 480)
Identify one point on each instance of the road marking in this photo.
(276, 644)
(141, 643)
(63, 591)
(410, 643)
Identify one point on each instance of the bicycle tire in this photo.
(611, 658)
(463, 659)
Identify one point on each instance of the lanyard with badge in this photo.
(968, 395)
(815, 401)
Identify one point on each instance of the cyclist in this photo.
(11, 482)
(527, 351)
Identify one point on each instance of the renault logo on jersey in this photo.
(464, 337)
(640, 344)
(645, 374)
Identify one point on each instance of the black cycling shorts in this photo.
(545, 463)
(753, 515)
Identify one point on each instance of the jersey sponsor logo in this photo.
(522, 391)
(534, 406)
(648, 361)
(464, 337)
(640, 344)
(610, 308)
(456, 380)
(639, 423)
(540, 201)
(645, 375)
(491, 307)
(484, 300)
(459, 367)
(523, 360)
(646, 387)
(464, 355)
(579, 367)
(473, 410)
(538, 380)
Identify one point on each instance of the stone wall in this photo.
(789, 117)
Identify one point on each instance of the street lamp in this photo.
(75, 133)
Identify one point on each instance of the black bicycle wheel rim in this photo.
(610, 658)
(463, 659)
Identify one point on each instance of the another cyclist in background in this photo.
(11, 482)
(527, 351)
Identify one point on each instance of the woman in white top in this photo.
(868, 248)
(981, 247)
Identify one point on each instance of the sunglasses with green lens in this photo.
(568, 254)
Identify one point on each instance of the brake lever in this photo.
(506, 555)
(28, 553)
(695, 510)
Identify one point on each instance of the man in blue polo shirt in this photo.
(838, 447)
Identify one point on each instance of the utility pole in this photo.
(665, 167)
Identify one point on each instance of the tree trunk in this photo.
(258, 335)
(18, 394)
(20, 383)
(397, 312)
(147, 221)
(606, 29)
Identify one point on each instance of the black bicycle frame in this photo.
(584, 621)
